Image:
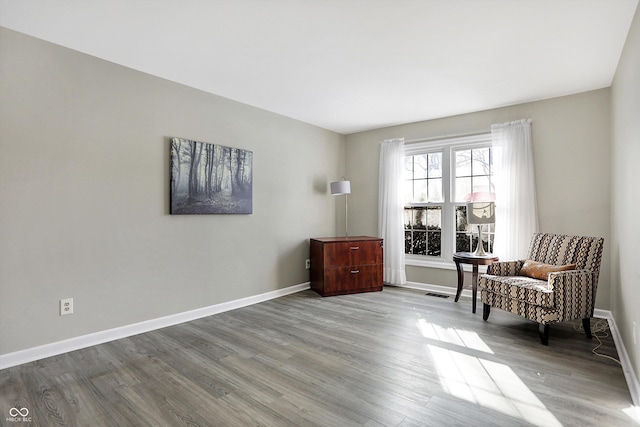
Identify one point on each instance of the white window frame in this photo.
(448, 234)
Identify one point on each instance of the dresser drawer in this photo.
(352, 253)
(347, 280)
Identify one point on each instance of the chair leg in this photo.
(486, 309)
(586, 324)
(544, 333)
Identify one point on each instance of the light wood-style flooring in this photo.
(391, 358)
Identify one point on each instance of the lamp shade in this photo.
(481, 213)
(340, 187)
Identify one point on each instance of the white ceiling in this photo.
(349, 65)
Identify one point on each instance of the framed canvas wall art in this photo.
(210, 178)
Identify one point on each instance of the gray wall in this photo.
(84, 173)
(625, 194)
(571, 144)
(84, 179)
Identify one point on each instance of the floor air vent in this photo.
(431, 294)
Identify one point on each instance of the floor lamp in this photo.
(481, 213)
(338, 188)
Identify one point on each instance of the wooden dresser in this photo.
(346, 265)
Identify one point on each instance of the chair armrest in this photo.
(574, 293)
(505, 268)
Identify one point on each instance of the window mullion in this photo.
(447, 213)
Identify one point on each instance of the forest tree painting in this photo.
(210, 179)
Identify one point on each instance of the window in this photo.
(440, 177)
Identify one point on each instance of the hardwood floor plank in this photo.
(391, 358)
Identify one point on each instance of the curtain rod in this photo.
(437, 138)
(459, 135)
(450, 136)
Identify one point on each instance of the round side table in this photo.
(470, 258)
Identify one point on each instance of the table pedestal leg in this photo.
(474, 283)
(460, 280)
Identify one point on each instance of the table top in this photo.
(470, 257)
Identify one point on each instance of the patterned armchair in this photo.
(567, 268)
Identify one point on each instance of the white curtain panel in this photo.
(516, 208)
(390, 210)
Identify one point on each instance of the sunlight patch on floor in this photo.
(486, 383)
(455, 336)
(633, 412)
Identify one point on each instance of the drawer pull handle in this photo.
(355, 248)
(355, 271)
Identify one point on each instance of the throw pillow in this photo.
(540, 271)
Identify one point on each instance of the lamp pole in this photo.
(346, 215)
(339, 188)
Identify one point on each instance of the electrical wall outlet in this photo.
(66, 306)
(307, 264)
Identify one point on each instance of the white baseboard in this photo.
(627, 368)
(35, 353)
